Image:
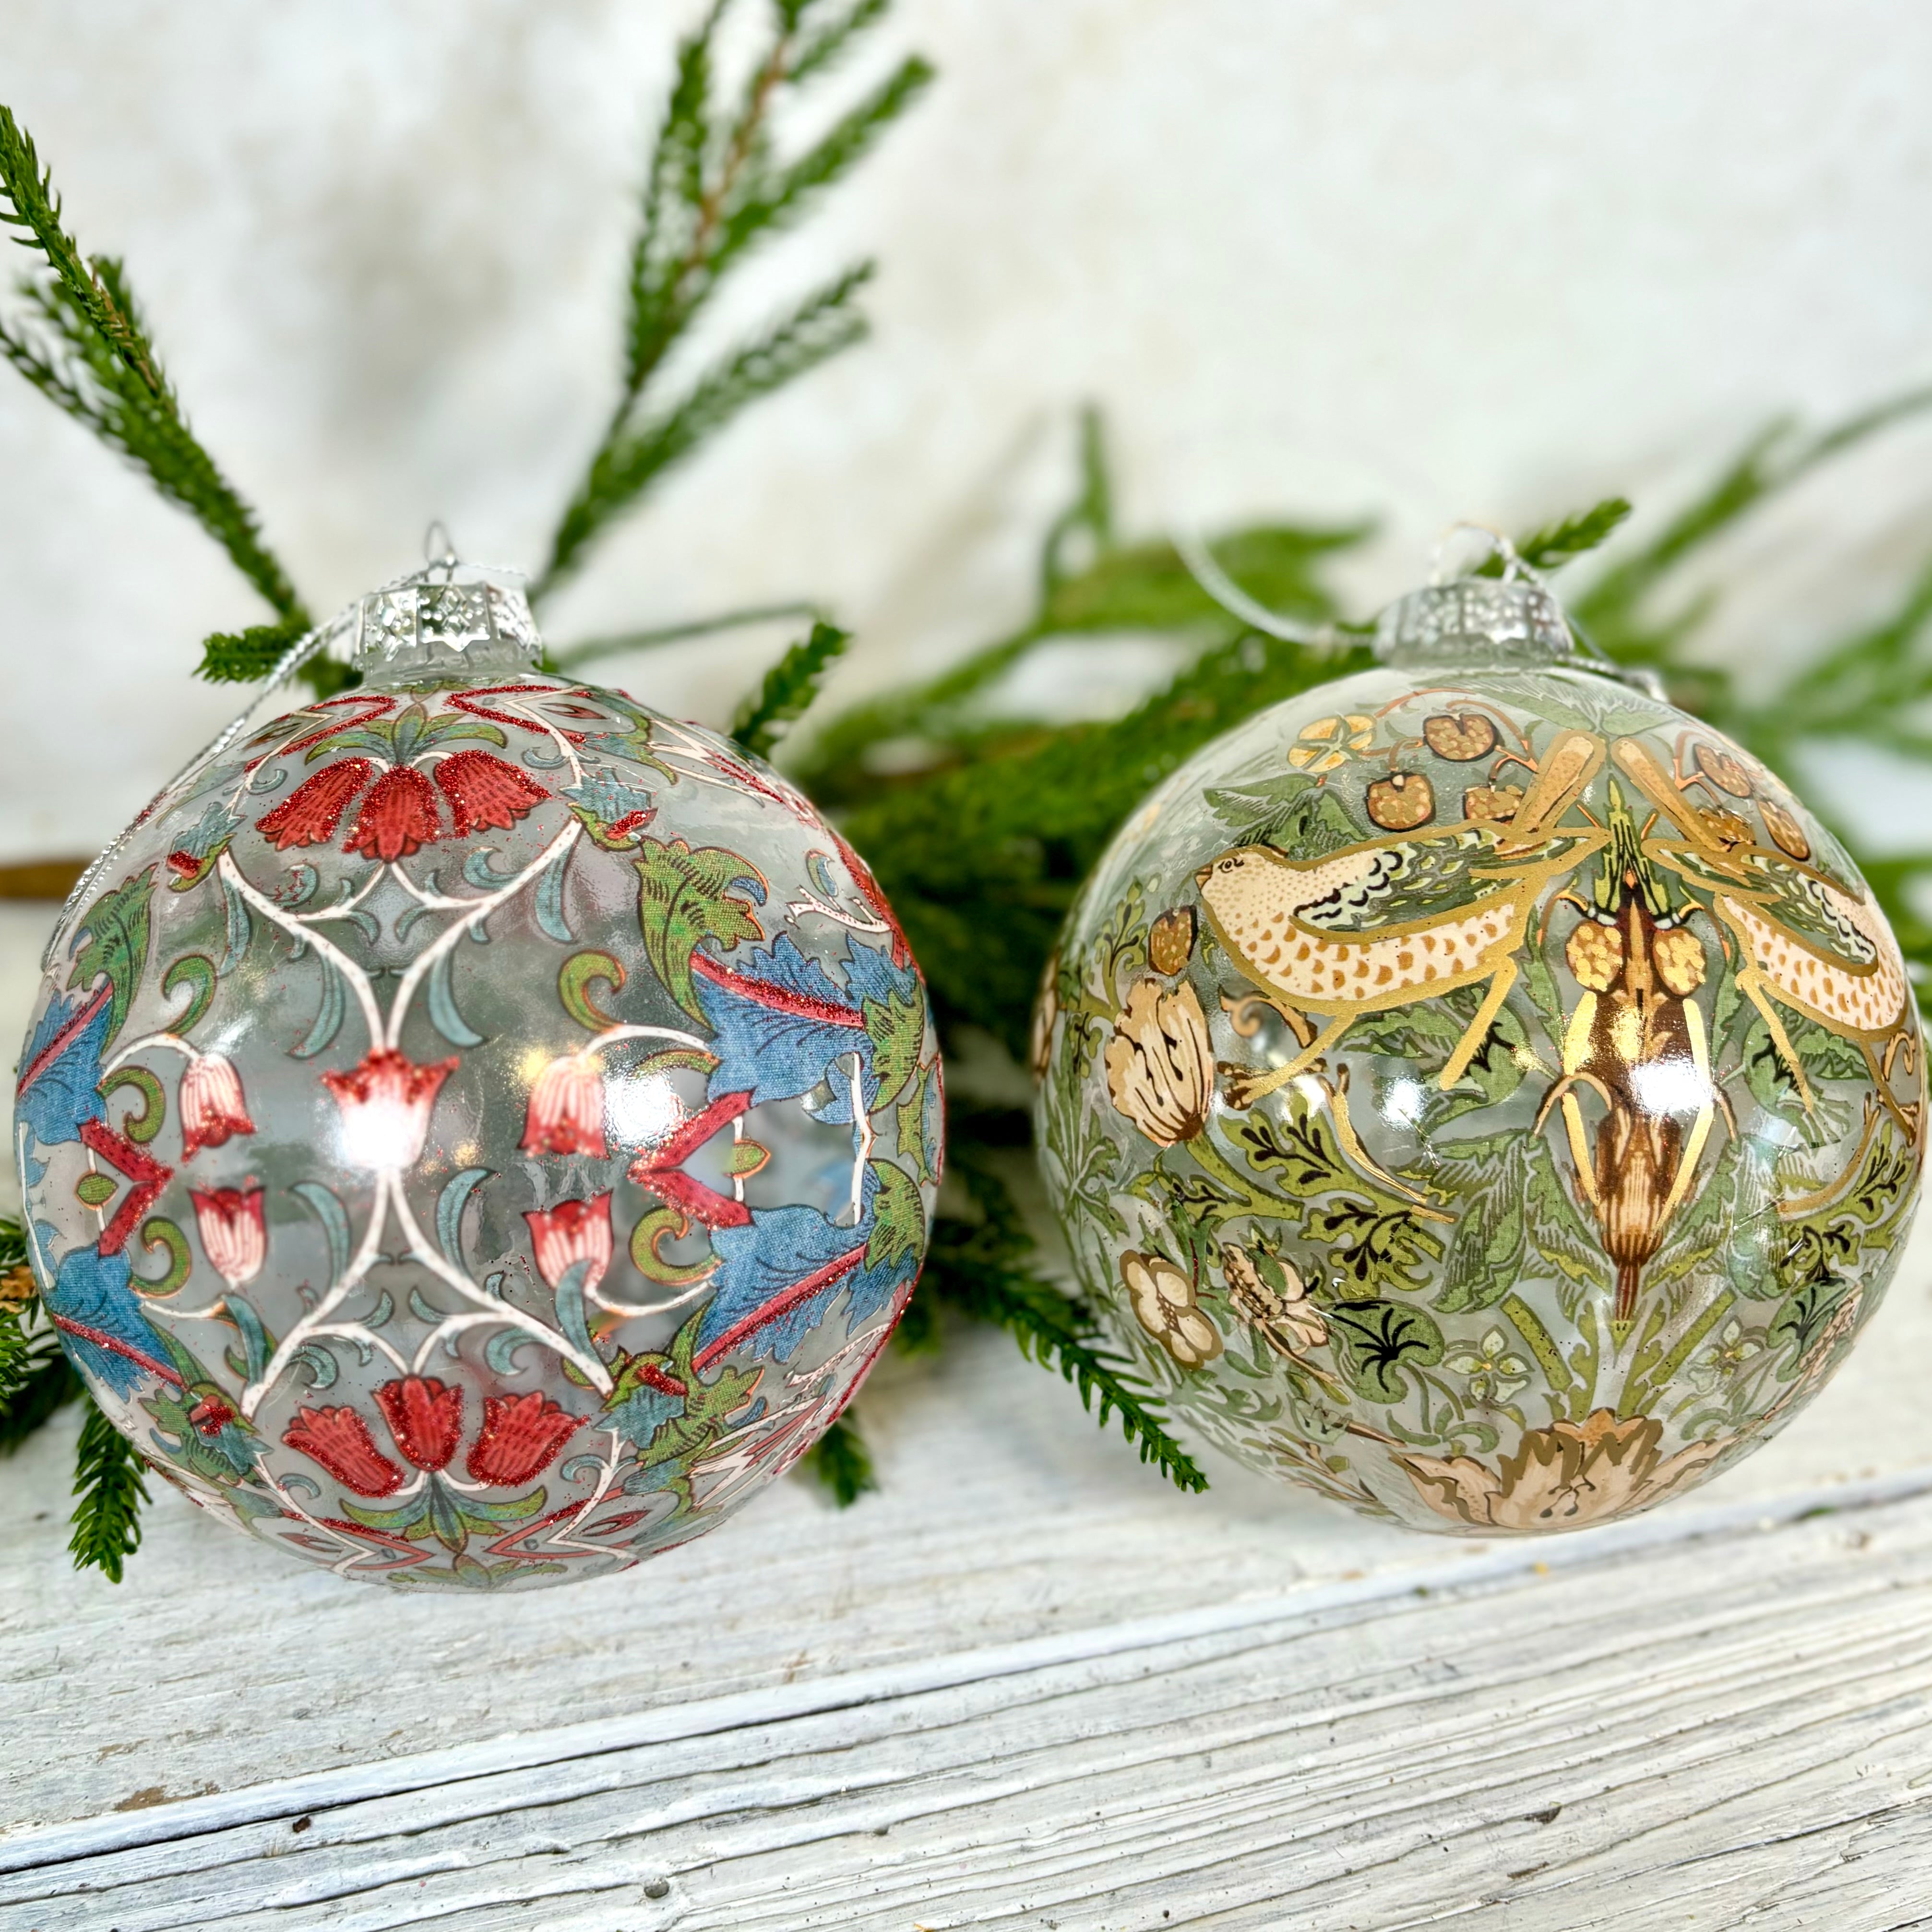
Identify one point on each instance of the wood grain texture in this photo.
(1699, 1722)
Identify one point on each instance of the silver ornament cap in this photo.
(1475, 620)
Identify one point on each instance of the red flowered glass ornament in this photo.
(476, 1130)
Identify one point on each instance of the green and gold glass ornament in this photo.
(1477, 1089)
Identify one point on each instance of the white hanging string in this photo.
(1215, 582)
(1208, 574)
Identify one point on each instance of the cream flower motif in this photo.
(1269, 1293)
(1160, 1065)
(1495, 1371)
(1561, 1478)
(1325, 744)
(1725, 1358)
(1164, 1305)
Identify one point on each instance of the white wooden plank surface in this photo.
(1697, 1722)
(1027, 1686)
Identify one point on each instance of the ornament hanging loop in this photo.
(1495, 543)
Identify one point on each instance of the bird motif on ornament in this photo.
(1398, 920)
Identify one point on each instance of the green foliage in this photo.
(573, 657)
(983, 1267)
(246, 657)
(840, 1460)
(716, 188)
(789, 687)
(46, 1384)
(1555, 544)
(35, 1380)
(1615, 607)
(983, 828)
(107, 1482)
(82, 343)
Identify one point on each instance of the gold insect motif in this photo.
(1636, 1039)
(1399, 919)
(1805, 943)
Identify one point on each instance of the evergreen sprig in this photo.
(110, 1491)
(716, 188)
(983, 1267)
(840, 1461)
(246, 657)
(789, 688)
(574, 657)
(1555, 544)
(35, 1379)
(82, 343)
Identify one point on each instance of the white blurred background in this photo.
(1492, 260)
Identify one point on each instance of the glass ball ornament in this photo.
(476, 1131)
(1477, 1090)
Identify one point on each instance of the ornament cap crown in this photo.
(448, 618)
(1473, 621)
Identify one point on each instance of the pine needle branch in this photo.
(632, 460)
(821, 49)
(46, 1385)
(35, 207)
(246, 657)
(107, 1482)
(713, 191)
(572, 657)
(35, 1378)
(840, 1461)
(983, 1269)
(1771, 462)
(789, 688)
(82, 343)
(1089, 517)
(1555, 544)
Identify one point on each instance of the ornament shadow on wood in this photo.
(476, 1131)
(1477, 1090)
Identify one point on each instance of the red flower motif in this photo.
(396, 817)
(210, 1415)
(229, 1220)
(339, 1439)
(310, 813)
(212, 1104)
(521, 1434)
(385, 1103)
(570, 1232)
(566, 1111)
(425, 1417)
(483, 791)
